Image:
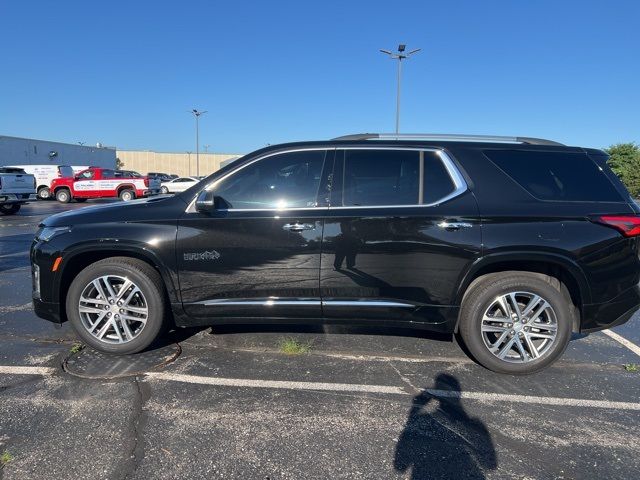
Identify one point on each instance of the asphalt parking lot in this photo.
(228, 403)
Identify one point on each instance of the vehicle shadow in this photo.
(440, 440)
(333, 329)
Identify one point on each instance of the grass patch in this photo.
(76, 347)
(291, 346)
(5, 458)
(632, 367)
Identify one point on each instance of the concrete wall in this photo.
(27, 151)
(182, 164)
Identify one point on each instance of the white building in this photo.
(27, 151)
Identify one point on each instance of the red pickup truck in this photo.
(102, 183)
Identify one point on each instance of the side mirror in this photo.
(207, 201)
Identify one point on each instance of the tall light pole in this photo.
(399, 55)
(197, 114)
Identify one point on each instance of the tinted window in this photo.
(381, 177)
(437, 181)
(556, 175)
(285, 180)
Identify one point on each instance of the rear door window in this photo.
(556, 176)
(381, 177)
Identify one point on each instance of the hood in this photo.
(146, 209)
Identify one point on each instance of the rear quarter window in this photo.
(556, 176)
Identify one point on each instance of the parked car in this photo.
(510, 243)
(103, 183)
(179, 184)
(16, 188)
(164, 177)
(45, 174)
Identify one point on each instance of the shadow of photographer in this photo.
(458, 446)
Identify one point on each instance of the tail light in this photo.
(628, 225)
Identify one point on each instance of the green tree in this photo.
(119, 164)
(624, 160)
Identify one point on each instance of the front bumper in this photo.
(600, 316)
(18, 197)
(46, 310)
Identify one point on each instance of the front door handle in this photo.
(297, 227)
(454, 225)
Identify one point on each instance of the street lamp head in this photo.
(386, 51)
(414, 51)
(401, 47)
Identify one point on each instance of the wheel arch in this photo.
(566, 271)
(126, 186)
(76, 261)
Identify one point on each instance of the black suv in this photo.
(512, 243)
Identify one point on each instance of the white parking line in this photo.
(18, 370)
(347, 387)
(620, 339)
(280, 384)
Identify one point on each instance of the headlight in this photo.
(47, 233)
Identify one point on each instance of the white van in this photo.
(44, 175)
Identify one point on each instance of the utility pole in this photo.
(197, 114)
(399, 55)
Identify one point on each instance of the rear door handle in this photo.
(454, 225)
(297, 227)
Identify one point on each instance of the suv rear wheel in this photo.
(117, 305)
(516, 322)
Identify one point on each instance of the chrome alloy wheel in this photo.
(519, 327)
(113, 309)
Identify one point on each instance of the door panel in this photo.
(396, 262)
(248, 264)
(258, 253)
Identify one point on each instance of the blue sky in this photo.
(125, 73)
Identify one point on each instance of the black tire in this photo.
(146, 278)
(164, 190)
(483, 292)
(63, 195)
(44, 193)
(9, 208)
(127, 195)
(81, 200)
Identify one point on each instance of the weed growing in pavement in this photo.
(632, 367)
(76, 347)
(291, 346)
(5, 458)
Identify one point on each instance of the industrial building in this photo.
(28, 151)
(183, 164)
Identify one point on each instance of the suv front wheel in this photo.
(117, 305)
(516, 322)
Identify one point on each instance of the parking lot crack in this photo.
(134, 435)
(413, 389)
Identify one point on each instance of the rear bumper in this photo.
(148, 193)
(18, 197)
(615, 312)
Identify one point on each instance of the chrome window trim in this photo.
(459, 183)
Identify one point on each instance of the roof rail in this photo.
(448, 137)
